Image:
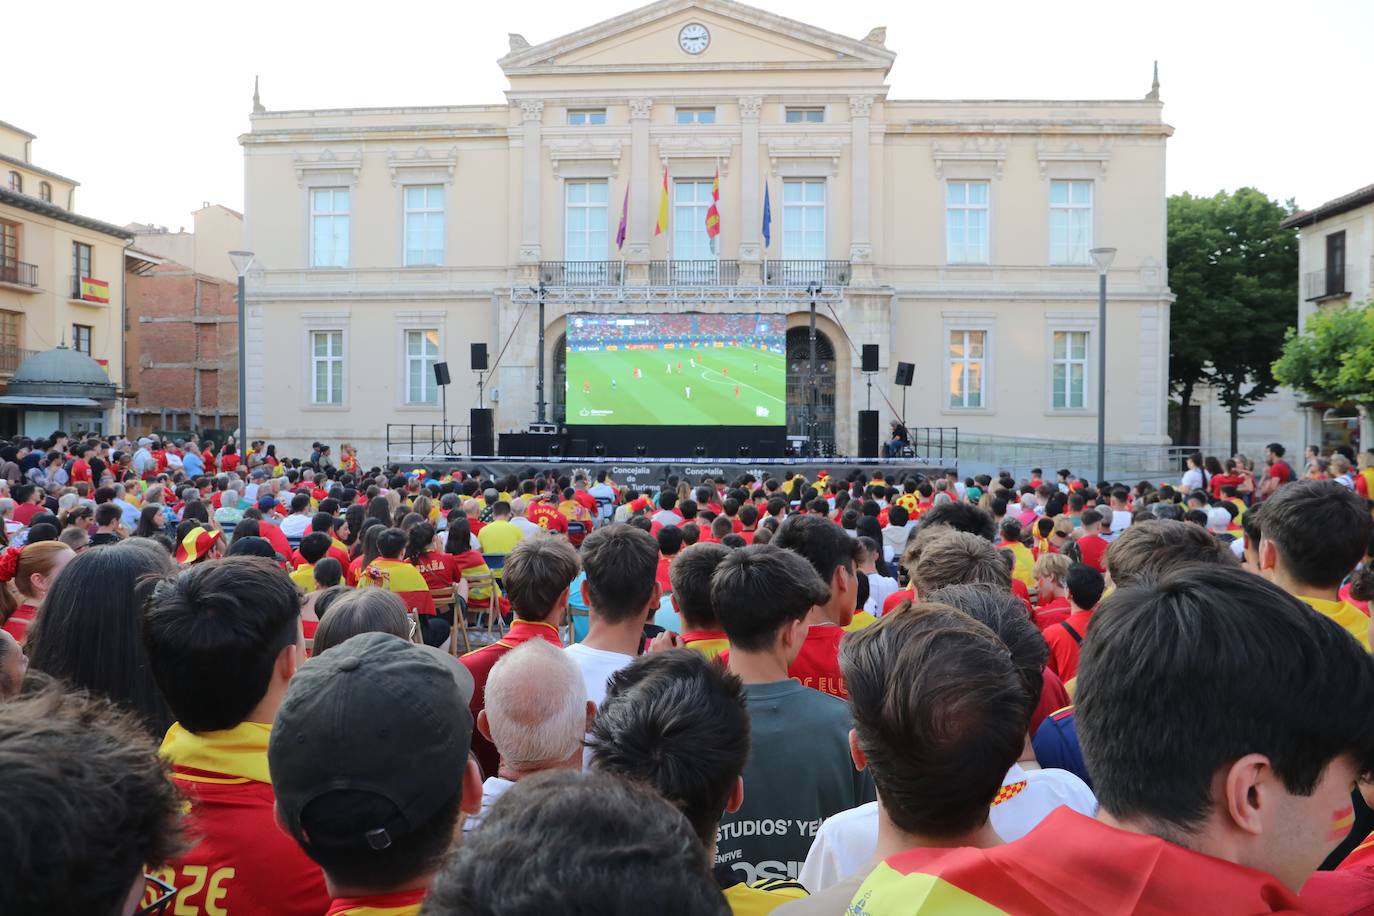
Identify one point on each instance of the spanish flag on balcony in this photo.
(713, 214)
(662, 225)
(95, 290)
(1070, 865)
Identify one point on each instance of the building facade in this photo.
(61, 285)
(183, 326)
(953, 234)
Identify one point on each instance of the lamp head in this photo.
(1103, 257)
(241, 260)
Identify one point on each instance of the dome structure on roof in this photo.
(62, 372)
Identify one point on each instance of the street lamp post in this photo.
(242, 260)
(1102, 257)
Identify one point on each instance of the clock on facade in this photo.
(694, 38)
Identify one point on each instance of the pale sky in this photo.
(143, 104)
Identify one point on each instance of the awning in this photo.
(20, 400)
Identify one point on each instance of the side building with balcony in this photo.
(61, 286)
(953, 234)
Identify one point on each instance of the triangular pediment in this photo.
(740, 38)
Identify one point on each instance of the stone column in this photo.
(750, 200)
(636, 251)
(860, 245)
(532, 110)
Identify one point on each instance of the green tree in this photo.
(1233, 271)
(1333, 358)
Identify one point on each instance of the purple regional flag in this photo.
(624, 214)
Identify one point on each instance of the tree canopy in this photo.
(1333, 359)
(1234, 272)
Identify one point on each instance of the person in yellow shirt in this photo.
(1312, 535)
(704, 704)
(313, 548)
(500, 535)
(1024, 569)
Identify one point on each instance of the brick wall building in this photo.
(182, 327)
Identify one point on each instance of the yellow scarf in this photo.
(239, 752)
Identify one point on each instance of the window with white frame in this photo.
(804, 116)
(966, 222)
(691, 200)
(585, 235)
(803, 219)
(422, 352)
(967, 360)
(696, 115)
(1069, 370)
(424, 224)
(1071, 221)
(326, 367)
(579, 117)
(329, 227)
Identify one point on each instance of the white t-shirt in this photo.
(1193, 479)
(492, 789)
(1121, 520)
(526, 526)
(597, 666)
(847, 841)
(879, 587)
(666, 518)
(295, 525)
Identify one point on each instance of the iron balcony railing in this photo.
(1319, 284)
(804, 273)
(18, 272)
(693, 273)
(11, 357)
(582, 273)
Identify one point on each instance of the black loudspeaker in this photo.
(905, 373)
(482, 435)
(870, 357)
(441, 376)
(868, 434)
(479, 357)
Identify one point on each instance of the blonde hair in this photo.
(1052, 566)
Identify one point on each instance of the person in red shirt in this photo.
(546, 515)
(208, 458)
(229, 461)
(86, 804)
(30, 502)
(81, 466)
(831, 553)
(748, 523)
(538, 573)
(440, 569)
(669, 543)
(1052, 594)
(376, 830)
(1065, 639)
(224, 640)
(1092, 546)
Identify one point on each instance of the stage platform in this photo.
(654, 472)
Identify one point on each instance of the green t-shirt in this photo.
(799, 773)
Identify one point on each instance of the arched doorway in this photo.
(558, 393)
(799, 381)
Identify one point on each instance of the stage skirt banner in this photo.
(656, 473)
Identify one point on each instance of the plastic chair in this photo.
(444, 598)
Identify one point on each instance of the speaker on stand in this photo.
(906, 372)
(442, 379)
(870, 366)
(478, 358)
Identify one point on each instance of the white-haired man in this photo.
(536, 714)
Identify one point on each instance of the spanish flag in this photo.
(95, 290)
(662, 225)
(713, 214)
(1070, 865)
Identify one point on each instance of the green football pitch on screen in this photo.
(676, 370)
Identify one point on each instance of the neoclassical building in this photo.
(953, 234)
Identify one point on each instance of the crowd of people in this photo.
(233, 683)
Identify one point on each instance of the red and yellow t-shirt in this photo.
(242, 862)
(1351, 619)
(709, 643)
(18, 623)
(547, 517)
(818, 664)
(400, 577)
(401, 903)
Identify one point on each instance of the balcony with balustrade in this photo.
(1320, 285)
(18, 275)
(666, 281)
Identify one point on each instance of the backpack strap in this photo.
(1072, 632)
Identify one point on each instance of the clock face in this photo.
(694, 38)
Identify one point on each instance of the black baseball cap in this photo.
(375, 715)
